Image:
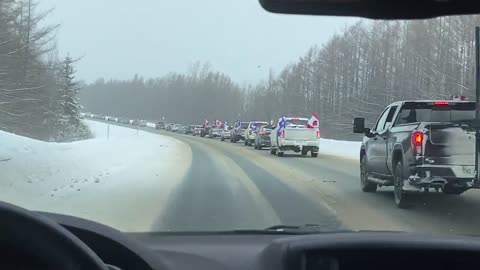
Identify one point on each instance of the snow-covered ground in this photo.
(346, 149)
(96, 178)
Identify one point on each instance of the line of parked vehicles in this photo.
(292, 135)
(122, 120)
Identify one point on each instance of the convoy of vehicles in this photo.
(418, 146)
(295, 136)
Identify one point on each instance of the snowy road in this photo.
(149, 180)
(234, 186)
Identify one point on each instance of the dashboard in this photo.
(229, 251)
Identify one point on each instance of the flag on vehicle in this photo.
(271, 122)
(225, 126)
(254, 125)
(313, 121)
(237, 125)
(205, 123)
(282, 122)
(218, 123)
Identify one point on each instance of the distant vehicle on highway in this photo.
(205, 131)
(238, 133)
(262, 137)
(168, 127)
(215, 132)
(251, 130)
(142, 123)
(176, 127)
(197, 130)
(160, 125)
(417, 146)
(123, 120)
(189, 129)
(226, 133)
(293, 135)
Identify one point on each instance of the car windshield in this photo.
(90, 91)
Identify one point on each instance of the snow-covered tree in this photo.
(66, 109)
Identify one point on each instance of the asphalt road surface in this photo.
(232, 186)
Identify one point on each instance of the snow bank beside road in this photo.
(123, 180)
(347, 149)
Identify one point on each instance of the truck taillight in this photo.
(417, 142)
(318, 133)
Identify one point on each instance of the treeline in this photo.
(34, 84)
(186, 98)
(369, 65)
(356, 73)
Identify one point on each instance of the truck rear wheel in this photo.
(273, 151)
(280, 154)
(367, 186)
(314, 154)
(401, 198)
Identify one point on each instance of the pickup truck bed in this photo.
(295, 137)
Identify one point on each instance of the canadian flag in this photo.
(205, 123)
(313, 121)
(218, 123)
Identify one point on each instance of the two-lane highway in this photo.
(231, 186)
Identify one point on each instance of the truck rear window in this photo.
(428, 112)
(296, 123)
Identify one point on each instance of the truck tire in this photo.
(367, 186)
(273, 151)
(314, 154)
(401, 198)
(305, 152)
(280, 154)
(245, 142)
(450, 190)
(222, 139)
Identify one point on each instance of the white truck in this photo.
(295, 136)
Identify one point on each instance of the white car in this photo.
(251, 130)
(176, 127)
(226, 134)
(295, 137)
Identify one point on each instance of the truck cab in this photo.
(419, 146)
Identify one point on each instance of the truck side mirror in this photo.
(359, 125)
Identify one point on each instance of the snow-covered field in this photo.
(346, 149)
(96, 178)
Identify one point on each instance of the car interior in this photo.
(39, 240)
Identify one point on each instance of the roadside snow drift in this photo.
(121, 178)
(346, 149)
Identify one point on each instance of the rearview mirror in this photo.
(359, 125)
(373, 9)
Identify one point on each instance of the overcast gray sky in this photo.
(152, 37)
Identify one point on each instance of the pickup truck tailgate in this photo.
(450, 144)
(300, 134)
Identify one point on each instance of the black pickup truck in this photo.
(419, 146)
